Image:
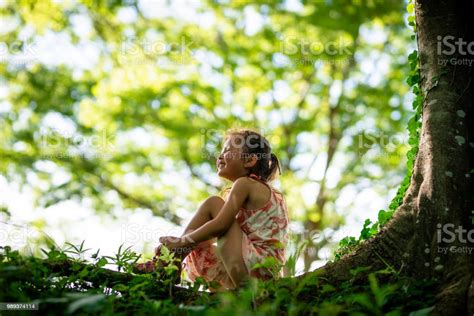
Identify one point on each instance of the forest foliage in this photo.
(152, 105)
(179, 83)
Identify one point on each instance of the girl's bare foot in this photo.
(146, 267)
(158, 265)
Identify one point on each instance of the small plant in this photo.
(290, 264)
(124, 259)
(83, 289)
(270, 264)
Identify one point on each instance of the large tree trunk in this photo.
(440, 191)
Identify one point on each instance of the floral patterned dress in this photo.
(265, 234)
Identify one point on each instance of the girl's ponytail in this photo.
(274, 165)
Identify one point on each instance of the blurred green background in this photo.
(112, 112)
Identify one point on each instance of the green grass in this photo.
(82, 288)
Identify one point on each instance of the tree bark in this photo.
(440, 191)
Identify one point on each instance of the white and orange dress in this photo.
(265, 234)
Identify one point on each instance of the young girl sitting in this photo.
(249, 224)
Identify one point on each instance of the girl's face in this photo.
(230, 165)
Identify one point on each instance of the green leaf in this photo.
(89, 303)
(327, 288)
(164, 251)
(358, 270)
(102, 262)
(384, 216)
(413, 57)
(120, 287)
(84, 272)
(422, 312)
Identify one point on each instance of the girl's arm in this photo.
(221, 223)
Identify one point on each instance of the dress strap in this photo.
(253, 175)
(259, 179)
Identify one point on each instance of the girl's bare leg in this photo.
(229, 245)
(229, 248)
(206, 211)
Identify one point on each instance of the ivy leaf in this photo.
(384, 216)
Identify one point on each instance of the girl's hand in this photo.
(176, 245)
(172, 242)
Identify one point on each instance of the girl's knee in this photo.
(214, 204)
(214, 200)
